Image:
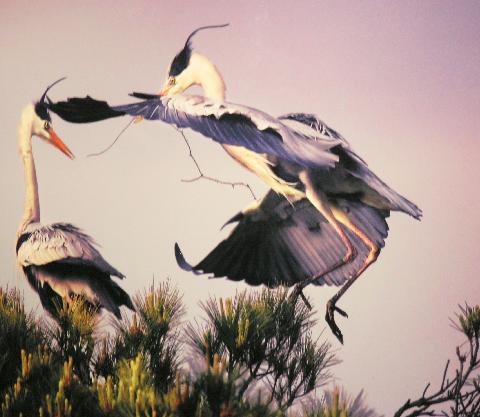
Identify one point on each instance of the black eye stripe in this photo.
(180, 62)
(42, 112)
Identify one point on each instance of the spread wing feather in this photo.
(291, 245)
(297, 137)
(224, 122)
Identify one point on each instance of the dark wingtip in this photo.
(84, 110)
(143, 96)
(239, 216)
(129, 304)
(181, 261)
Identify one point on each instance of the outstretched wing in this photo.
(83, 110)
(60, 242)
(353, 164)
(290, 244)
(224, 122)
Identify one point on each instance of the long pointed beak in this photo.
(58, 143)
(164, 91)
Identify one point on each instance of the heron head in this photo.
(179, 74)
(42, 123)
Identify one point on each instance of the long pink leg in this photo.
(320, 201)
(371, 258)
(335, 217)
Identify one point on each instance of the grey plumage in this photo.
(353, 164)
(297, 156)
(283, 243)
(296, 138)
(60, 260)
(224, 122)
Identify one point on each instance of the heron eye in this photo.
(46, 125)
(171, 81)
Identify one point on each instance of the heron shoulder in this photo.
(60, 242)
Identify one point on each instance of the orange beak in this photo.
(166, 88)
(57, 142)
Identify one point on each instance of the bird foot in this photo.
(330, 319)
(298, 292)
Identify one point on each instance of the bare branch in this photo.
(206, 177)
(426, 389)
(444, 379)
(115, 141)
(462, 401)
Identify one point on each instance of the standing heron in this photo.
(59, 260)
(296, 155)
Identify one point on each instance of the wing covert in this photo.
(60, 242)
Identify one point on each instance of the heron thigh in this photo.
(343, 218)
(320, 201)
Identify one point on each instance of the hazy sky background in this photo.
(400, 81)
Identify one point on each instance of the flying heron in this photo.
(59, 260)
(297, 155)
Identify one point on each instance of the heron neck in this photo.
(31, 211)
(208, 77)
(214, 90)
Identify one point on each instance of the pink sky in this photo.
(400, 81)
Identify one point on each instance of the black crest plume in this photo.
(41, 106)
(181, 60)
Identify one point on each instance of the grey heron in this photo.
(297, 155)
(59, 260)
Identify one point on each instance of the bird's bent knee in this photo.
(350, 255)
(373, 255)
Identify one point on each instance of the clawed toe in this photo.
(298, 292)
(340, 311)
(330, 319)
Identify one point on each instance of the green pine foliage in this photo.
(266, 337)
(252, 355)
(153, 331)
(65, 369)
(72, 336)
(337, 403)
(18, 330)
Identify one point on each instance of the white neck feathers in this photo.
(32, 207)
(206, 74)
